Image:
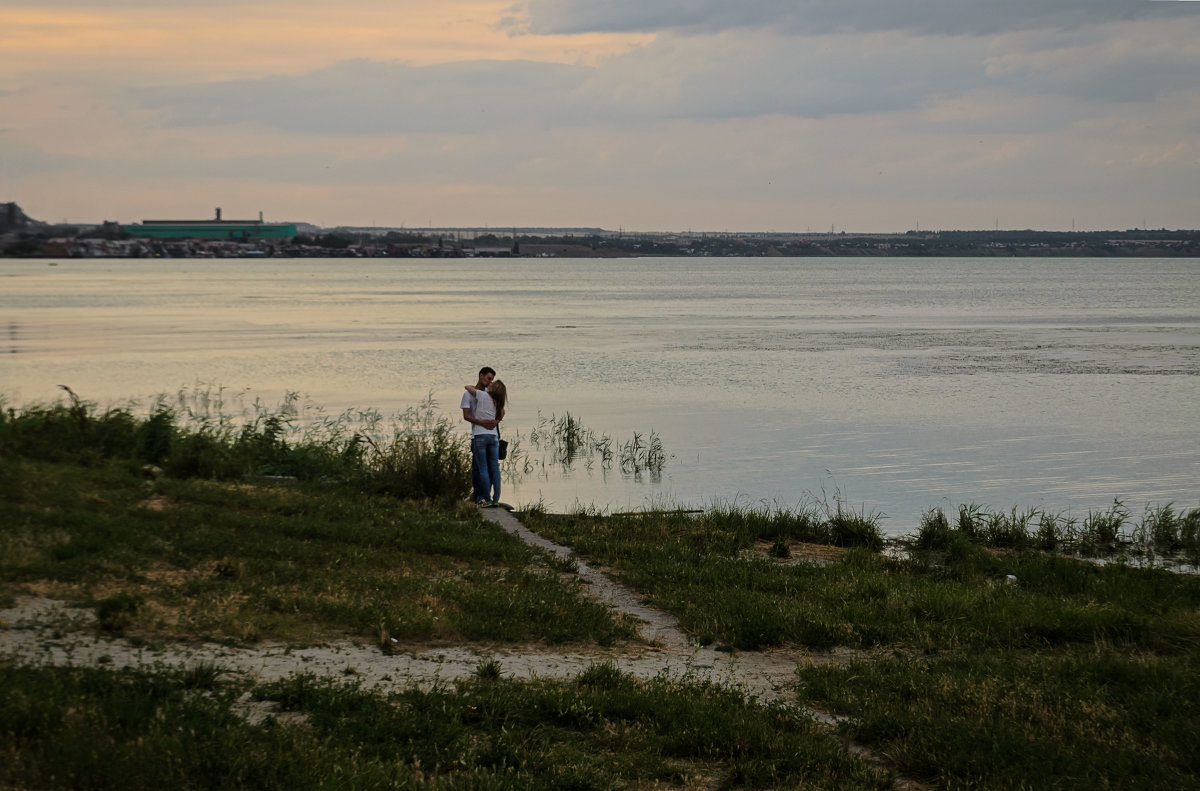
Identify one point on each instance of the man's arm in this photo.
(489, 424)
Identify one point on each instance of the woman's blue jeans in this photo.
(485, 451)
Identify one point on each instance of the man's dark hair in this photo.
(486, 370)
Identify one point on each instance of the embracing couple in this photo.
(483, 408)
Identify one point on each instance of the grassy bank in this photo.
(417, 454)
(974, 667)
(191, 533)
(721, 573)
(203, 559)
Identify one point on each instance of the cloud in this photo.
(672, 80)
(365, 97)
(737, 115)
(812, 17)
(736, 74)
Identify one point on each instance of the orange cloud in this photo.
(220, 42)
(27, 32)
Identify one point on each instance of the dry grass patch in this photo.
(29, 546)
(159, 503)
(798, 551)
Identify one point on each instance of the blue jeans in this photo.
(477, 492)
(485, 458)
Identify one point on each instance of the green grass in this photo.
(1096, 718)
(974, 667)
(74, 728)
(706, 571)
(218, 560)
(163, 525)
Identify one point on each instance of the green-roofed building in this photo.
(232, 230)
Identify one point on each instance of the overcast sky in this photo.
(860, 115)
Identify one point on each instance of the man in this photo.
(486, 375)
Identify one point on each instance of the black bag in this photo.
(503, 446)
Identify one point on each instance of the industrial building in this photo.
(216, 228)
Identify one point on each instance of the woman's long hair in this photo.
(499, 395)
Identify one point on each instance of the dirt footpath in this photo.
(42, 631)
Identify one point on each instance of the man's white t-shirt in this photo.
(482, 407)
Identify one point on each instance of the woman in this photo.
(485, 442)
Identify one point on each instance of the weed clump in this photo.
(601, 675)
(851, 529)
(1168, 530)
(934, 532)
(115, 613)
(488, 669)
(424, 459)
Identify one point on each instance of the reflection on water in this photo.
(903, 384)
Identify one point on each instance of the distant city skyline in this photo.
(658, 115)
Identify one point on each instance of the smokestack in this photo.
(218, 214)
(260, 217)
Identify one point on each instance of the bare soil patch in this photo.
(800, 552)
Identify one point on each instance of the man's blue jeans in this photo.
(477, 492)
(485, 457)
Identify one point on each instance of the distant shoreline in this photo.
(24, 237)
(798, 247)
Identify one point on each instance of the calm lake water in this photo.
(894, 384)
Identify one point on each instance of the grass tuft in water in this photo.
(567, 441)
(1162, 533)
(855, 529)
